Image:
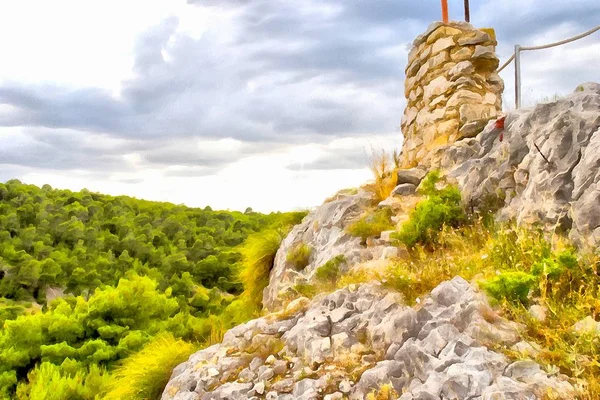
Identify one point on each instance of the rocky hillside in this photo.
(360, 340)
(364, 341)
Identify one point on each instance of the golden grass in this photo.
(478, 253)
(385, 392)
(258, 252)
(144, 375)
(384, 168)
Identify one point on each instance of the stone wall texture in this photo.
(452, 88)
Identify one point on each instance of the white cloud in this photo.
(261, 181)
(269, 104)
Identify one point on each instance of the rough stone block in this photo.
(438, 60)
(484, 52)
(464, 96)
(461, 54)
(476, 112)
(412, 175)
(461, 68)
(442, 44)
(442, 32)
(435, 88)
(474, 37)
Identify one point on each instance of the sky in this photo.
(268, 104)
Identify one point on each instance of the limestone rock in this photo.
(538, 312)
(404, 189)
(587, 326)
(411, 175)
(427, 353)
(563, 192)
(324, 230)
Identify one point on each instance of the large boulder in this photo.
(355, 340)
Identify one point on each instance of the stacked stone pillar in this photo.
(452, 88)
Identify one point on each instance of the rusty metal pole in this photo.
(445, 11)
(467, 11)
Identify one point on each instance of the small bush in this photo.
(554, 267)
(299, 256)
(145, 374)
(441, 208)
(372, 224)
(331, 269)
(52, 382)
(513, 286)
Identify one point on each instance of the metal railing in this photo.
(517, 58)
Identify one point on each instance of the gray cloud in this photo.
(291, 72)
(339, 159)
(47, 149)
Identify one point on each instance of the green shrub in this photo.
(513, 286)
(299, 256)
(145, 374)
(372, 224)
(554, 267)
(331, 269)
(258, 254)
(65, 382)
(441, 208)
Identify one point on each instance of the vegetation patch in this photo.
(330, 271)
(145, 374)
(519, 267)
(299, 256)
(512, 286)
(384, 167)
(131, 271)
(372, 224)
(306, 290)
(441, 208)
(385, 392)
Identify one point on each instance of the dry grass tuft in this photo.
(145, 374)
(385, 392)
(384, 167)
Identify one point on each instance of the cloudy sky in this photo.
(271, 104)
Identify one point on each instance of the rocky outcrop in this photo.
(544, 165)
(324, 232)
(356, 340)
(451, 86)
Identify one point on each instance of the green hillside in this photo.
(125, 271)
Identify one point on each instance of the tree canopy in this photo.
(126, 270)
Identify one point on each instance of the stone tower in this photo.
(452, 88)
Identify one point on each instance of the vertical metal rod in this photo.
(517, 76)
(467, 11)
(445, 11)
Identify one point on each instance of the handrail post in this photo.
(517, 76)
(445, 11)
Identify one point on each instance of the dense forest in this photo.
(86, 280)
